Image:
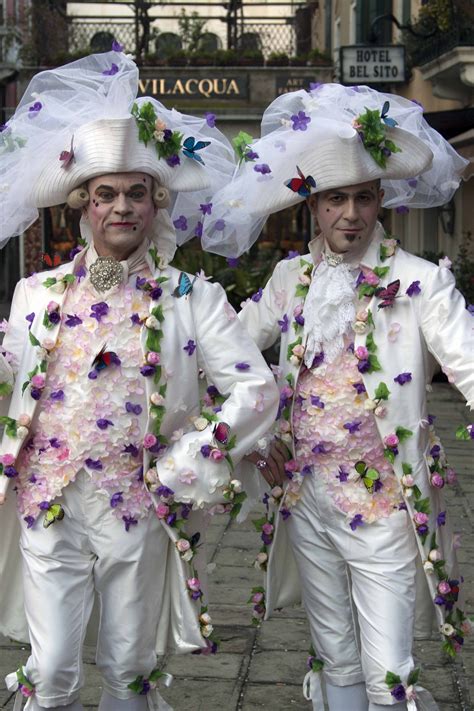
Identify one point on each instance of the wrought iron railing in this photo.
(432, 48)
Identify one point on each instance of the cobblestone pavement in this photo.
(263, 668)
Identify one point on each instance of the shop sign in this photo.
(372, 64)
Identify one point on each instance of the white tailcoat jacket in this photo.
(203, 316)
(435, 329)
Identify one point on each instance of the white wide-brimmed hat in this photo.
(331, 137)
(83, 120)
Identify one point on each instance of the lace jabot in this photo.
(329, 309)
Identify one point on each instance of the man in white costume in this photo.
(363, 325)
(108, 455)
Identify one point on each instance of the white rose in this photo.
(21, 432)
(205, 618)
(42, 353)
(434, 555)
(236, 485)
(410, 692)
(370, 404)
(428, 567)
(408, 492)
(157, 399)
(207, 630)
(447, 629)
(294, 360)
(359, 327)
(200, 423)
(59, 287)
(187, 556)
(152, 323)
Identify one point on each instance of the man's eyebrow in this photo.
(132, 187)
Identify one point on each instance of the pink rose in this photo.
(361, 353)
(267, 528)
(162, 510)
(291, 465)
(38, 381)
(258, 597)
(298, 310)
(371, 278)
(7, 460)
(380, 411)
(391, 440)
(284, 426)
(444, 587)
(407, 480)
(193, 584)
(183, 545)
(362, 315)
(216, 455)
(153, 358)
(157, 399)
(298, 351)
(24, 420)
(48, 344)
(149, 440)
(25, 691)
(304, 279)
(52, 306)
(420, 518)
(437, 480)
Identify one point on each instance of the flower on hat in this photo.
(300, 121)
(372, 129)
(152, 130)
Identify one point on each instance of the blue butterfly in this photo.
(386, 119)
(190, 145)
(185, 286)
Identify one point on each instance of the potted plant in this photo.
(226, 58)
(278, 59)
(177, 59)
(202, 59)
(250, 58)
(299, 60)
(316, 58)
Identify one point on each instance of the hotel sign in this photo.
(194, 87)
(374, 64)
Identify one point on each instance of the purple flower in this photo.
(262, 168)
(110, 73)
(220, 225)
(44, 505)
(147, 370)
(284, 324)
(413, 289)
(356, 521)
(181, 223)
(30, 318)
(300, 121)
(257, 296)
(398, 692)
(131, 449)
(29, 520)
(441, 519)
(413, 182)
(251, 155)
(318, 359)
(343, 475)
(145, 683)
(352, 426)
(319, 449)
(102, 423)
(164, 491)
(285, 513)
(403, 378)
(359, 388)
(185, 511)
(435, 451)
(173, 161)
(155, 293)
(35, 108)
(233, 262)
(94, 464)
(116, 46)
(422, 530)
(242, 366)
(363, 366)
(35, 393)
(10, 471)
(210, 119)
(307, 470)
(171, 520)
(206, 450)
(206, 208)
(198, 230)
(57, 395)
(317, 402)
(54, 317)
(54, 443)
(116, 499)
(431, 419)
(129, 521)
(190, 347)
(292, 254)
(99, 310)
(135, 409)
(315, 85)
(402, 210)
(81, 272)
(72, 320)
(167, 133)
(32, 479)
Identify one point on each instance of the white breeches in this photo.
(90, 552)
(357, 585)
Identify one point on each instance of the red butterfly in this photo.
(301, 185)
(54, 262)
(105, 358)
(66, 157)
(388, 295)
(221, 432)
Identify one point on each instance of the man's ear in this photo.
(312, 202)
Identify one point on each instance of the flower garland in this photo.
(142, 685)
(399, 690)
(152, 130)
(371, 127)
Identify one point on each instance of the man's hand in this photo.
(272, 468)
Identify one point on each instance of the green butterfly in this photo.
(54, 513)
(369, 475)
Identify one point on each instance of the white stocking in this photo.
(33, 705)
(380, 707)
(342, 698)
(111, 703)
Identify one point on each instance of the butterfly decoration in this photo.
(301, 185)
(369, 476)
(190, 146)
(185, 286)
(66, 157)
(388, 295)
(54, 261)
(105, 358)
(54, 513)
(221, 432)
(386, 119)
